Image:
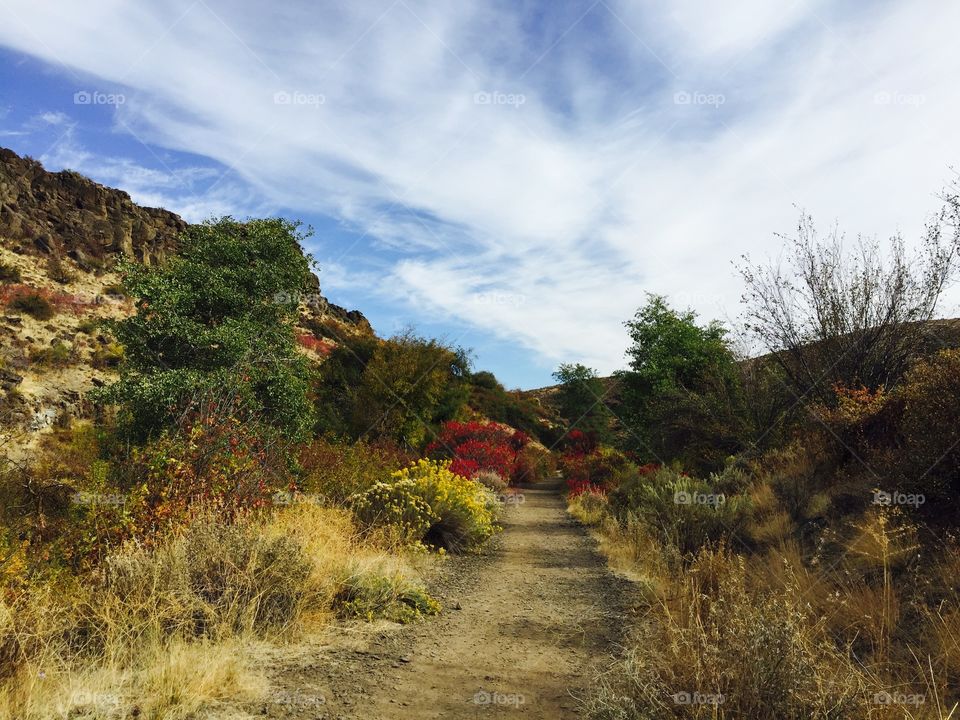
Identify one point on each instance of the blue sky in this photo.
(513, 176)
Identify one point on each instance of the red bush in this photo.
(581, 443)
(474, 446)
(321, 347)
(62, 301)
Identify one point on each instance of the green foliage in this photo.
(89, 325)
(334, 471)
(57, 355)
(928, 458)
(681, 396)
(399, 505)
(33, 304)
(220, 315)
(107, 356)
(510, 407)
(582, 399)
(57, 271)
(486, 380)
(391, 596)
(396, 389)
(681, 511)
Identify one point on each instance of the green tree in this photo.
(681, 395)
(397, 388)
(216, 323)
(582, 401)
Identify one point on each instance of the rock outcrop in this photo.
(68, 215)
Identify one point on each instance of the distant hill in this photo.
(938, 334)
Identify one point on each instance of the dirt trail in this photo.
(524, 628)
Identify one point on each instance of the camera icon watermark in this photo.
(692, 497)
(311, 300)
(499, 98)
(889, 499)
(897, 98)
(697, 698)
(500, 298)
(296, 97)
(95, 97)
(897, 698)
(485, 697)
(686, 97)
(95, 499)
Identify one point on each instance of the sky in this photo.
(511, 176)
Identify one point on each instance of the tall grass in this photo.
(867, 626)
(160, 632)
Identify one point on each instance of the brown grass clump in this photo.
(160, 632)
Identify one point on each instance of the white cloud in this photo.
(196, 193)
(558, 212)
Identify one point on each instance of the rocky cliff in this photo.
(69, 215)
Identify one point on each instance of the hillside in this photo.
(935, 335)
(61, 237)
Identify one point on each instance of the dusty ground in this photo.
(524, 628)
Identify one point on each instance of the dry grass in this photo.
(162, 632)
(780, 634)
(170, 681)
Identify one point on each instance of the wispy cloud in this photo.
(531, 169)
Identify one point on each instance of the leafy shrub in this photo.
(511, 407)
(491, 480)
(590, 506)
(928, 458)
(474, 446)
(317, 345)
(57, 355)
(89, 325)
(681, 398)
(334, 471)
(388, 595)
(464, 508)
(9, 273)
(603, 468)
(578, 442)
(396, 389)
(57, 271)
(63, 511)
(534, 463)
(681, 511)
(107, 356)
(581, 399)
(217, 462)
(33, 304)
(396, 504)
(428, 503)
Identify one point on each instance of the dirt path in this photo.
(524, 628)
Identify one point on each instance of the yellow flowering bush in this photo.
(398, 505)
(432, 505)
